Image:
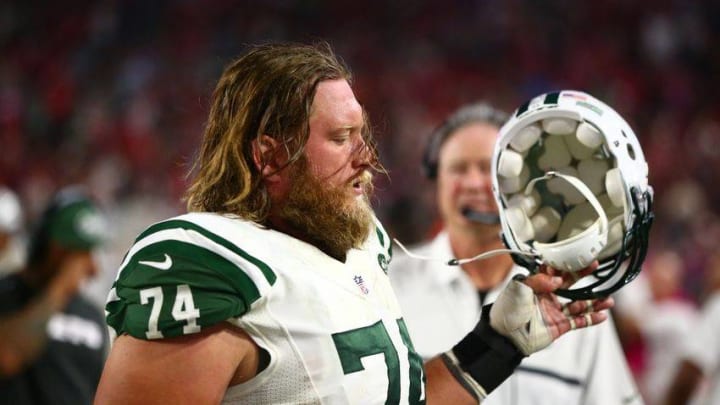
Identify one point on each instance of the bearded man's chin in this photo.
(330, 218)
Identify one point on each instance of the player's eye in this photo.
(341, 137)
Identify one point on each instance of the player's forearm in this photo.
(473, 368)
(442, 388)
(24, 333)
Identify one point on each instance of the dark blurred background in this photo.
(114, 94)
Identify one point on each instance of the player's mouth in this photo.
(360, 182)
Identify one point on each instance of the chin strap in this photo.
(458, 262)
(574, 252)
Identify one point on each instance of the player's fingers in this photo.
(603, 304)
(543, 283)
(570, 278)
(589, 269)
(568, 323)
(587, 306)
(545, 269)
(583, 321)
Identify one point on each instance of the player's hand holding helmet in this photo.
(571, 184)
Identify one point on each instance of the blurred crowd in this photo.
(113, 94)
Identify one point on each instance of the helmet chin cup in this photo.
(578, 251)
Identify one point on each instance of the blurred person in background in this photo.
(653, 311)
(698, 375)
(439, 302)
(12, 249)
(54, 341)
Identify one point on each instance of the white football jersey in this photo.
(333, 330)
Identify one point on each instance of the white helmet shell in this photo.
(556, 134)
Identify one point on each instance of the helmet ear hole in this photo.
(631, 151)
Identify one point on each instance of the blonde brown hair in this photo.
(268, 91)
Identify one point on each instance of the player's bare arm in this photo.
(193, 369)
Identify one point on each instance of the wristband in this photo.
(483, 359)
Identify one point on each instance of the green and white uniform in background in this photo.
(333, 330)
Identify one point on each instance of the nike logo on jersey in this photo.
(163, 265)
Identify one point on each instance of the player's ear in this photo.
(267, 156)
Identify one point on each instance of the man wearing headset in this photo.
(439, 301)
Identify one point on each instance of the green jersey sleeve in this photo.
(179, 278)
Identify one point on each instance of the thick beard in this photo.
(326, 216)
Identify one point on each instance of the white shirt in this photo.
(440, 306)
(703, 347)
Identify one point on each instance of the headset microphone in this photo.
(484, 218)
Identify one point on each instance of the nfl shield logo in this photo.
(361, 283)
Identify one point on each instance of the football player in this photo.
(274, 288)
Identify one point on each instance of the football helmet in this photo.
(571, 184)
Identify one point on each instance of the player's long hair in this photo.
(268, 91)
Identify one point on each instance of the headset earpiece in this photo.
(430, 154)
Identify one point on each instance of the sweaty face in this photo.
(464, 177)
(329, 188)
